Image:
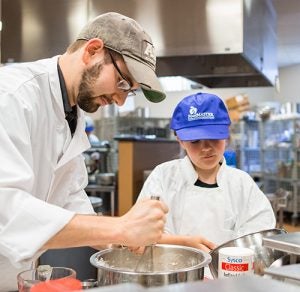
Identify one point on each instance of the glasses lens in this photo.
(132, 92)
(124, 85)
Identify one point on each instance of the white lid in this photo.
(236, 251)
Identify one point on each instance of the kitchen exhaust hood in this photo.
(216, 43)
(221, 43)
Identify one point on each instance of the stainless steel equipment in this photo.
(289, 242)
(171, 264)
(197, 48)
(243, 284)
(97, 160)
(105, 179)
(286, 260)
(279, 201)
(286, 269)
(263, 256)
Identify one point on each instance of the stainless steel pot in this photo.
(171, 264)
(263, 256)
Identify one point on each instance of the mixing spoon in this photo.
(145, 263)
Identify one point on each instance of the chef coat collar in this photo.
(191, 174)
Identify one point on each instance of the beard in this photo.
(85, 99)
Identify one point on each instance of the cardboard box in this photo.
(234, 115)
(243, 108)
(236, 101)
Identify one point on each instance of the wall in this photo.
(289, 92)
(165, 108)
(289, 84)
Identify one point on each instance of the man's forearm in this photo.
(86, 230)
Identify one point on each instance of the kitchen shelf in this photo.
(283, 179)
(280, 159)
(270, 152)
(245, 141)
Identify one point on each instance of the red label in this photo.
(235, 267)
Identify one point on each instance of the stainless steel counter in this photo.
(288, 272)
(289, 242)
(243, 284)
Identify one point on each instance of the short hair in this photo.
(75, 46)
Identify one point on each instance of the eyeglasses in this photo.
(123, 84)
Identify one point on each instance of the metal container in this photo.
(263, 256)
(285, 269)
(288, 259)
(171, 264)
(105, 179)
(89, 284)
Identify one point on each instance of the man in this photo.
(209, 202)
(42, 174)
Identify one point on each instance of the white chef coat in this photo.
(235, 208)
(42, 171)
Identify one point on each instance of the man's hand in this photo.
(144, 223)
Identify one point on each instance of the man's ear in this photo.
(92, 48)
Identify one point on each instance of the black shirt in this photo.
(70, 111)
(202, 184)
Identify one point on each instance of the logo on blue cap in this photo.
(194, 115)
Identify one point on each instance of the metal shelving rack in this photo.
(245, 139)
(280, 156)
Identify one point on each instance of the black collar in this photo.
(202, 184)
(70, 111)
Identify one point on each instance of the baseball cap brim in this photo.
(205, 132)
(147, 79)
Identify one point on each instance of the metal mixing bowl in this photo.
(263, 256)
(171, 264)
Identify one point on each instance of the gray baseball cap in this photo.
(125, 36)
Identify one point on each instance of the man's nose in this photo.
(120, 98)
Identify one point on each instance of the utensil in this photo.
(44, 272)
(146, 261)
(171, 264)
(89, 283)
(263, 256)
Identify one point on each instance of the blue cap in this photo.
(201, 116)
